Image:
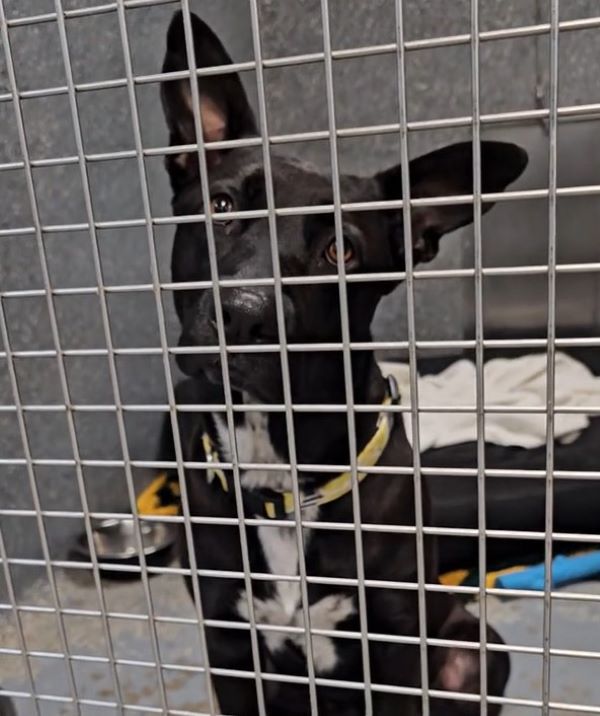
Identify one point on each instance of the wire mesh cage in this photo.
(117, 342)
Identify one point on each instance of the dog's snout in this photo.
(248, 317)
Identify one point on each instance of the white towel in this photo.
(507, 382)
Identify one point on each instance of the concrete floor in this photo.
(178, 644)
(576, 626)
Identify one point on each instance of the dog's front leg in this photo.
(227, 650)
(395, 665)
(394, 612)
(236, 697)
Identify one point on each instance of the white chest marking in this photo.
(281, 554)
(281, 551)
(254, 445)
(325, 614)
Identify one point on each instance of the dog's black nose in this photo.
(248, 317)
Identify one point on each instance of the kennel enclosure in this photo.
(87, 325)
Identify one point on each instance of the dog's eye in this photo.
(221, 204)
(331, 253)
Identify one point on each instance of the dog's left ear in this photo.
(447, 172)
(457, 669)
(225, 112)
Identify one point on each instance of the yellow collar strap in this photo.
(277, 505)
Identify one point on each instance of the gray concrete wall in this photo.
(438, 86)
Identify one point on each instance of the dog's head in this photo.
(374, 240)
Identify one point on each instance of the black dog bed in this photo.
(514, 503)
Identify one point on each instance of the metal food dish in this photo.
(115, 539)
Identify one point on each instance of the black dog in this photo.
(373, 242)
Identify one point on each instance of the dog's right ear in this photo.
(447, 172)
(224, 109)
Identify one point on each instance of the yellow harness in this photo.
(275, 505)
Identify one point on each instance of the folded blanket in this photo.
(509, 382)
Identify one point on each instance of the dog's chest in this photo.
(253, 444)
(279, 545)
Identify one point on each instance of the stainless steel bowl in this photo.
(115, 539)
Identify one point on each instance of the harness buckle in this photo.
(265, 503)
(273, 504)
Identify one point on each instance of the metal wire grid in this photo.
(554, 114)
(480, 383)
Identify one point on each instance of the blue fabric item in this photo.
(565, 569)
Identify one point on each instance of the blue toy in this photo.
(565, 570)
